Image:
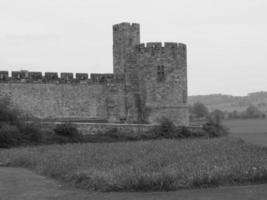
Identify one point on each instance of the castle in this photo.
(149, 83)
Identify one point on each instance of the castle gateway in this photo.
(149, 83)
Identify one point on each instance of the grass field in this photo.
(251, 130)
(160, 165)
(247, 125)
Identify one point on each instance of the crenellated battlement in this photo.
(53, 77)
(158, 47)
(125, 25)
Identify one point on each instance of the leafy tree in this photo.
(199, 110)
(253, 112)
(217, 116)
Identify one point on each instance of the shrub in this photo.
(8, 113)
(14, 128)
(31, 133)
(9, 136)
(215, 129)
(25, 134)
(67, 133)
(166, 129)
(184, 132)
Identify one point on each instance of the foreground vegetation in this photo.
(158, 165)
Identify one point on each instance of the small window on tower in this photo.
(184, 97)
(131, 41)
(161, 73)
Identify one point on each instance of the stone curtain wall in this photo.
(51, 97)
(54, 101)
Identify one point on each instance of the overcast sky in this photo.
(226, 39)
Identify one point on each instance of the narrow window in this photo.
(161, 73)
(130, 41)
(184, 97)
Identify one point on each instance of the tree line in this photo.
(198, 110)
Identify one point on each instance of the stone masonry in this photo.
(149, 83)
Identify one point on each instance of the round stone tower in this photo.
(162, 72)
(155, 77)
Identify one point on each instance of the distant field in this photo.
(251, 130)
(247, 125)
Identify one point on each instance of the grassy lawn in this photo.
(159, 165)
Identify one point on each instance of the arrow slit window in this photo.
(160, 73)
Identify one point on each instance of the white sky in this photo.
(226, 39)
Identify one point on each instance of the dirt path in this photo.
(22, 184)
